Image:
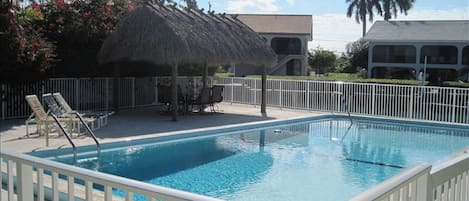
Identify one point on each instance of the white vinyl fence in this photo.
(30, 178)
(400, 101)
(89, 93)
(446, 182)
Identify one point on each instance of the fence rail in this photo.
(88, 93)
(398, 101)
(49, 180)
(446, 182)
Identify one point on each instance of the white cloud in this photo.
(255, 5)
(334, 31)
(291, 2)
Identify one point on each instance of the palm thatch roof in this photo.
(165, 35)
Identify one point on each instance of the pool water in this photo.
(329, 159)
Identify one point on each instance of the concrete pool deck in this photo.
(141, 122)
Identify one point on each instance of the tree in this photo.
(192, 4)
(363, 8)
(26, 53)
(392, 7)
(357, 52)
(322, 60)
(343, 65)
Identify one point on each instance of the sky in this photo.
(332, 29)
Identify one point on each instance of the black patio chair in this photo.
(217, 96)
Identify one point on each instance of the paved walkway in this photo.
(140, 122)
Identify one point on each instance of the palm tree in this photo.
(363, 8)
(191, 4)
(391, 7)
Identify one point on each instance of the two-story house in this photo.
(402, 49)
(288, 35)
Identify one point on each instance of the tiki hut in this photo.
(166, 35)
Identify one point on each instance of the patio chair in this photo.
(164, 96)
(203, 99)
(101, 118)
(40, 117)
(217, 96)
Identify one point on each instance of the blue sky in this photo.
(331, 28)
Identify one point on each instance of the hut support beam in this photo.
(116, 75)
(174, 92)
(204, 76)
(264, 91)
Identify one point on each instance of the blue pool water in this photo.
(328, 159)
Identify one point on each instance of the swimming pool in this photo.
(322, 159)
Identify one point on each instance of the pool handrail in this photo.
(26, 165)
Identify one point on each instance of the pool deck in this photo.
(139, 123)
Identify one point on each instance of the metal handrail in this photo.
(345, 102)
(66, 135)
(88, 129)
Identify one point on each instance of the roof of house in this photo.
(419, 31)
(279, 24)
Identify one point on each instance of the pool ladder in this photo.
(345, 103)
(67, 135)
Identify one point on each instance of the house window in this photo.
(286, 45)
(394, 54)
(465, 56)
(439, 54)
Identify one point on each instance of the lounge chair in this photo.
(101, 117)
(54, 108)
(42, 119)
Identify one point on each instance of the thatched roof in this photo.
(167, 35)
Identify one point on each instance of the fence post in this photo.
(410, 114)
(280, 93)
(453, 113)
(308, 104)
(77, 93)
(24, 182)
(156, 90)
(255, 91)
(3, 100)
(132, 88)
(373, 99)
(107, 94)
(232, 90)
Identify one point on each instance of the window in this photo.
(439, 54)
(465, 56)
(394, 54)
(286, 45)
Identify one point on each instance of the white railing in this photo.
(40, 179)
(410, 185)
(89, 93)
(446, 182)
(398, 101)
(450, 180)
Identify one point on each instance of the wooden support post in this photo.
(174, 91)
(116, 87)
(264, 91)
(204, 76)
